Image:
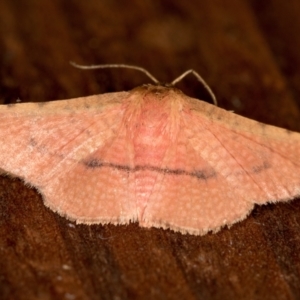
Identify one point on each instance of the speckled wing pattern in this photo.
(47, 144)
(151, 155)
(230, 163)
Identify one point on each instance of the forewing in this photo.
(225, 163)
(56, 146)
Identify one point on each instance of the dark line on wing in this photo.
(200, 174)
(257, 169)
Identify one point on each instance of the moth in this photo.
(152, 155)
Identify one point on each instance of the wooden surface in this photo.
(248, 51)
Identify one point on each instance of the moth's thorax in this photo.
(153, 119)
(152, 110)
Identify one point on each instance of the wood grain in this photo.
(247, 51)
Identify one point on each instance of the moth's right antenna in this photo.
(206, 86)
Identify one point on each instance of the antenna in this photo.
(148, 74)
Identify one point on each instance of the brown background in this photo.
(248, 51)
